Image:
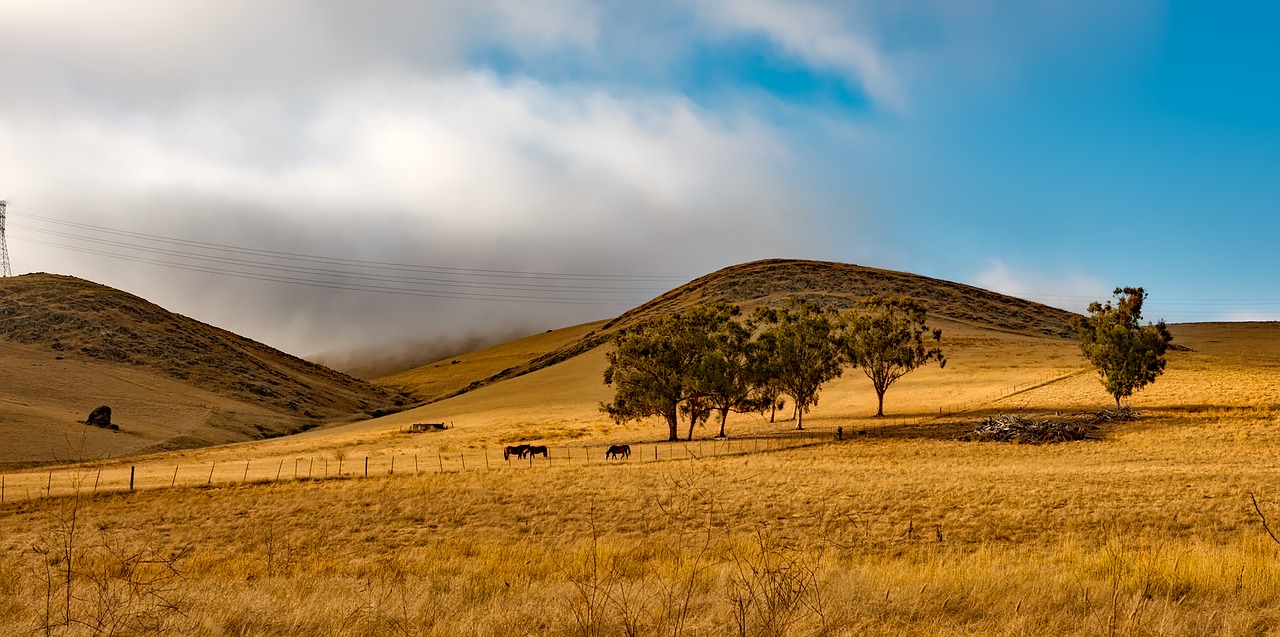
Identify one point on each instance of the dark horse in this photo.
(618, 451)
(517, 451)
(537, 450)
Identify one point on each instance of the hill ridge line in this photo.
(828, 282)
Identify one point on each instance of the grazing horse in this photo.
(517, 451)
(618, 451)
(537, 450)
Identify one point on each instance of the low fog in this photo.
(407, 179)
(366, 137)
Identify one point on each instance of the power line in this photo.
(349, 274)
(479, 272)
(432, 281)
(344, 274)
(333, 285)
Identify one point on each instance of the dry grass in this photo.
(447, 376)
(68, 345)
(901, 530)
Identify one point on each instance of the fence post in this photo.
(243, 479)
(131, 477)
(486, 459)
(393, 465)
(175, 477)
(311, 465)
(463, 456)
(366, 466)
(48, 488)
(207, 482)
(441, 459)
(279, 469)
(415, 464)
(2, 488)
(655, 453)
(339, 466)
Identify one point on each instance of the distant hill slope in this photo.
(446, 377)
(84, 334)
(772, 281)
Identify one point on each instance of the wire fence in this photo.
(95, 478)
(1011, 390)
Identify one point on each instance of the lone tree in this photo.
(799, 351)
(1127, 355)
(652, 365)
(885, 338)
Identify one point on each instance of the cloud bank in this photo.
(547, 136)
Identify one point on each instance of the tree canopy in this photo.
(884, 338)
(730, 377)
(1127, 354)
(652, 366)
(798, 349)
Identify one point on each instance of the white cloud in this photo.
(826, 37)
(466, 170)
(1067, 290)
(1249, 316)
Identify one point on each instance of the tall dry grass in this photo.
(1150, 532)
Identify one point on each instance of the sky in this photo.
(333, 177)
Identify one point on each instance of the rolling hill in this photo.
(68, 345)
(767, 282)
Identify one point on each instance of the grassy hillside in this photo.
(68, 345)
(772, 281)
(448, 376)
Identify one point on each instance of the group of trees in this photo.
(712, 359)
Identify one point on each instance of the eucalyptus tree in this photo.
(798, 350)
(1127, 354)
(653, 365)
(729, 377)
(885, 338)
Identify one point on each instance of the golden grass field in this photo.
(901, 529)
(68, 345)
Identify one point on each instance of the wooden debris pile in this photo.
(1122, 414)
(1010, 428)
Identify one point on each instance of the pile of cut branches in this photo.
(1010, 428)
(1121, 414)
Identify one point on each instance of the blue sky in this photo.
(1047, 149)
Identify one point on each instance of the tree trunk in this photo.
(673, 421)
(795, 410)
(724, 415)
(880, 406)
(773, 409)
(799, 417)
(1117, 402)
